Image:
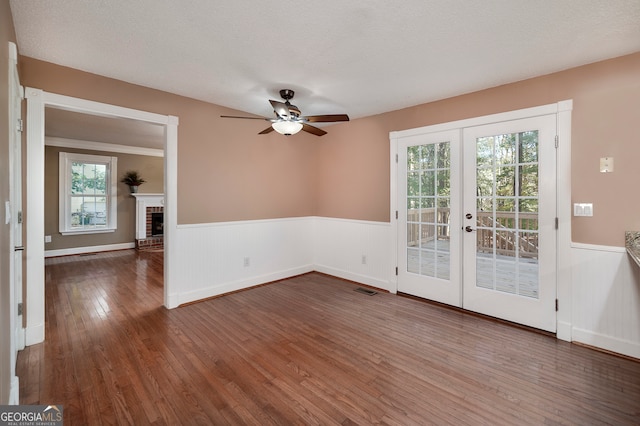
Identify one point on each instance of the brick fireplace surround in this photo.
(146, 205)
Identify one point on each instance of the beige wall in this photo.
(226, 172)
(150, 168)
(7, 34)
(354, 182)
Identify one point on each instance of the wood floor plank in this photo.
(306, 350)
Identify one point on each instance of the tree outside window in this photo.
(87, 193)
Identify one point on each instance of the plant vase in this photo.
(133, 188)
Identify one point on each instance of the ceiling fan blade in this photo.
(314, 130)
(267, 130)
(246, 118)
(327, 118)
(280, 108)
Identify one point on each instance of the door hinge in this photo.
(19, 217)
(556, 305)
(556, 141)
(396, 158)
(396, 270)
(19, 125)
(19, 308)
(396, 214)
(556, 223)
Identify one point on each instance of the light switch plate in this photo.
(583, 209)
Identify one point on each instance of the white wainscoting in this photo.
(606, 298)
(211, 257)
(341, 244)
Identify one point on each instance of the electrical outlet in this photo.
(47, 238)
(247, 262)
(364, 259)
(606, 165)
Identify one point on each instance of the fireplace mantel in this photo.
(142, 202)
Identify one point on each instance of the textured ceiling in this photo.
(360, 57)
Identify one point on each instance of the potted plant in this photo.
(133, 179)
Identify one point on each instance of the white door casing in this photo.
(562, 113)
(14, 212)
(37, 100)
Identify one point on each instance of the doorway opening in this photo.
(37, 101)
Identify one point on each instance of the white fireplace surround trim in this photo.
(142, 202)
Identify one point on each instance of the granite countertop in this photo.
(632, 244)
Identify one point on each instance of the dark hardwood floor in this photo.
(307, 350)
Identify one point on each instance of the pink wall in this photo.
(226, 172)
(353, 163)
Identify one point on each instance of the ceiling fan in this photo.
(289, 121)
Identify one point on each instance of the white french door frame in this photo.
(37, 100)
(562, 110)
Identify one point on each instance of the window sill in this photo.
(88, 231)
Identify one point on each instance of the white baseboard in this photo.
(363, 279)
(242, 284)
(563, 331)
(173, 301)
(176, 300)
(88, 249)
(608, 343)
(21, 339)
(34, 334)
(14, 391)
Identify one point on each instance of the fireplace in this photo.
(149, 221)
(157, 224)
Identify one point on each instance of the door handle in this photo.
(468, 229)
(18, 248)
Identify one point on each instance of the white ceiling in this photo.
(60, 123)
(360, 57)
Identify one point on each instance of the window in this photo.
(88, 190)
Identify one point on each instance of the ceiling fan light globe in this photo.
(287, 127)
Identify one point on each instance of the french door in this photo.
(476, 220)
(429, 231)
(510, 238)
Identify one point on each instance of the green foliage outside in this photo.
(88, 178)
(88, 190)
(428, 176)
(512, 159)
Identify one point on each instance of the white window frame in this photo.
(66, 159)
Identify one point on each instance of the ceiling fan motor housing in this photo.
(287, 94)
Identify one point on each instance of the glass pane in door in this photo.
(428, 210)
(507, 213)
